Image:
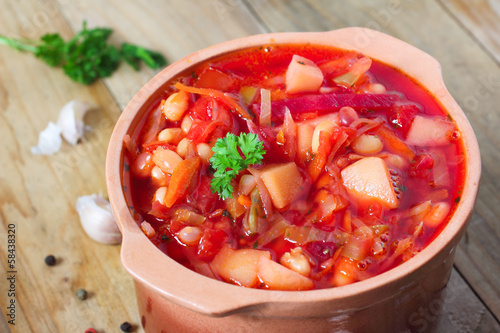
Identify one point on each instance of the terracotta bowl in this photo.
(172, 298)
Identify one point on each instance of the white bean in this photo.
(437, 214)
(347, 115)
(175, 106)
(190, 235)
(184, 146)
(396, 161)
(170, 135)
(142, 165)
(158, 176)
(166, 160)
(205, 152)
(376, 88)
(160, 194)
(186, 124)
(367, 144)
(296, 261)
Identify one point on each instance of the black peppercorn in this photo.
(126, 327)
(50, 260)
(81, 294)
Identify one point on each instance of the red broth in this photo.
(364, 173)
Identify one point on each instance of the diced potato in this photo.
(239, 266)
(235, 208)
(302, 76)
(345, 272)
(283, 181)
(278, 277)
(369, 179)
(429, 132)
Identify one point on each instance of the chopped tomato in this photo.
(401, 116)
(220, 96)
(202, 108)
(153, 145)
(210, 243)
(204, 198)
(216, 79)
(421, 166)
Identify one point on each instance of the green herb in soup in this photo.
(294, 167)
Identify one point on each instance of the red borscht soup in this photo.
(293, 167)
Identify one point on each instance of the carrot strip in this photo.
(182, 176)
(245, 200)
(218, 95)
(395, 144)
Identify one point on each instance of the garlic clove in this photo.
(71, 120)
(97, 219)
(49, 141)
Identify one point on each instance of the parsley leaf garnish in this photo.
(134, 54)
(87, 56)
(228, 162)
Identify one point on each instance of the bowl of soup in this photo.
(293, 182)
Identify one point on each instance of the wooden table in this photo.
(38, 193)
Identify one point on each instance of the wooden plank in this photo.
(462, 310)
(470, 74)
(481, 18)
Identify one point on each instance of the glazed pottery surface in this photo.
(172, 298)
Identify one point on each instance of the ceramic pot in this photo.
(172, 298)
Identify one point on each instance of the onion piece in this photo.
(265, 108)
(363, 125)
(440, 173)
(274, 232)
(267, 202)
(246, 184)
(187, 217)
(305, 234)
(359, 244)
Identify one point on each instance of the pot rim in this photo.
(213, 297)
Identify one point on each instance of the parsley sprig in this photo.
(88, 55)
(227, 160)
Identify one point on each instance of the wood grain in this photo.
(38, 194)
(481, 19)
(462, 310)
